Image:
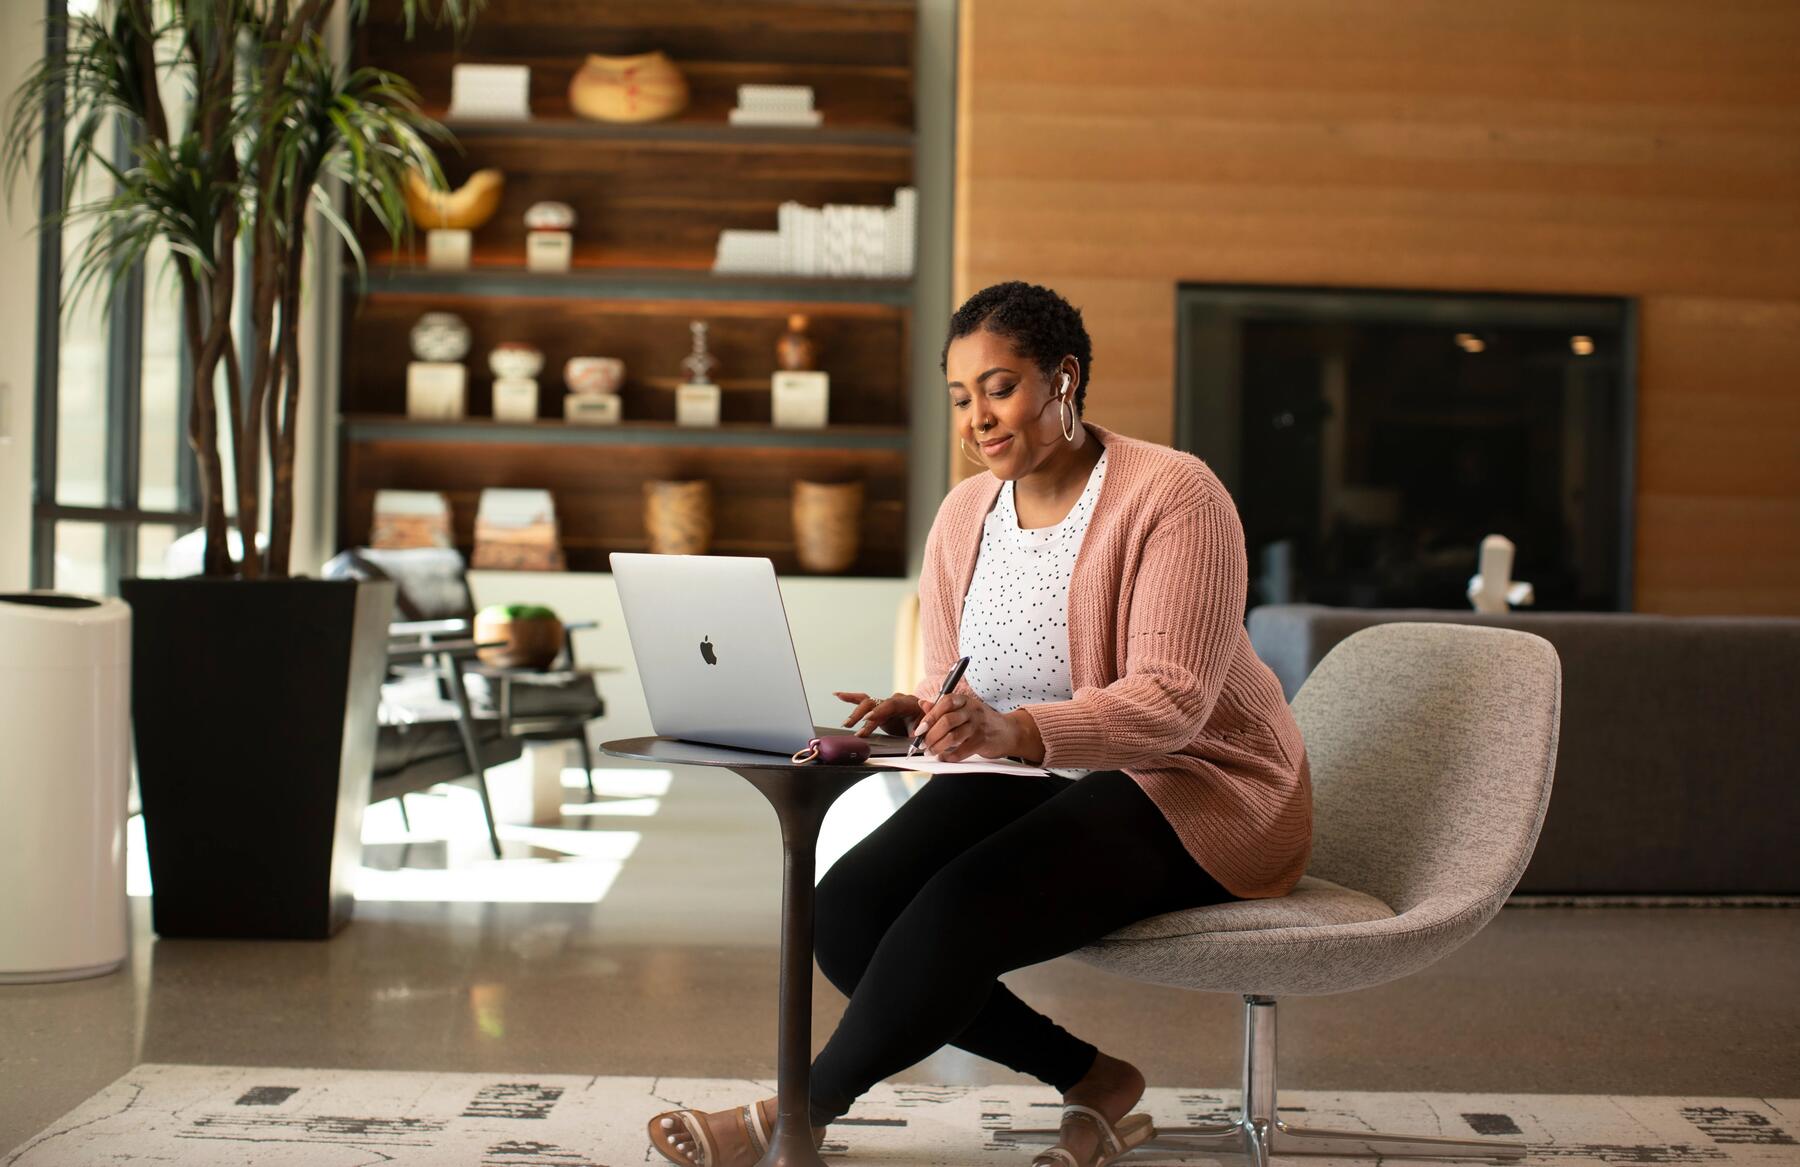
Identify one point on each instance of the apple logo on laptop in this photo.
(706, 651)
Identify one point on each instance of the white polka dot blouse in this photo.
(1015, 616)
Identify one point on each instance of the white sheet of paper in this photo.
(925, 764)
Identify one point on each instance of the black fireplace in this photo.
(1372, 439)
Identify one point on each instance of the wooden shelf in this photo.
(596, 280)
(587, 557)
(554, 129)
(366, 427)
(861, 345)
(599, 490)
(856, 55)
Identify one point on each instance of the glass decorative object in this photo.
(697, 400)
(699, 364)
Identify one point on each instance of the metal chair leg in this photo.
(465, 728)
(587, 762)
(487, 809)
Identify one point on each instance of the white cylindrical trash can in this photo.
(65, 772)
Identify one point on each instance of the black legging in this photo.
(974, 876)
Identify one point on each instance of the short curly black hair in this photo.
(1042, 325)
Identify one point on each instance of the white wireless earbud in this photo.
(1064, 388)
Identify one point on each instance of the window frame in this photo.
(121, 517)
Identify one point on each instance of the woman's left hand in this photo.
(962, 725)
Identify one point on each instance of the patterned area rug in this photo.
(204, 1115)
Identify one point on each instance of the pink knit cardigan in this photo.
(1166, 685)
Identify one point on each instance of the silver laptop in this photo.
(715, 654)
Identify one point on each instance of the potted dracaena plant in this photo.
(254, 693)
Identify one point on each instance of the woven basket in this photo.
(827, 524)
(678, 516)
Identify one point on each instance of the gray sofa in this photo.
(1678, 771)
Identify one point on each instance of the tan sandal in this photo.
(749, 1116)
(750, 1119)
(1116, 1142)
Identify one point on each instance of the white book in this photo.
(868, 227)
(874, 233)
(490, 91)
(787, 220)
(516, 508)
(748, 251)
(838, 239)
(924, 763)
(853, 258)
(906, 214)
(775, 98)
(800, 119)
(855, 217)
(828, 245)
(891, 256)
(412, 502)
(812, 242)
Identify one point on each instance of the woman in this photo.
(1097, 584)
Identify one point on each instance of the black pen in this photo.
(956, 672)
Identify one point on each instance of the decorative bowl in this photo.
(642, 88)
(585, 375)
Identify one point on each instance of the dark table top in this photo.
(662, 749)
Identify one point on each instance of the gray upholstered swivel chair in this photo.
(1432, 748)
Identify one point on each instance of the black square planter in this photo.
(253, 708)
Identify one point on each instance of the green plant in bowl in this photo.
(527, 636)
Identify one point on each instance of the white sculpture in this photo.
(1492, 589)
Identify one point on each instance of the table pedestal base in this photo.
(800, 796)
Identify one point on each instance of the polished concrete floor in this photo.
(673, 971)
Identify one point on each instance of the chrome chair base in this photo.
(1258, 1135)
(1257, 1142)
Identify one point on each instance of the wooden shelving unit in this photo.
(630, 433)
(780, 138)
(651, 201)
(492, 275)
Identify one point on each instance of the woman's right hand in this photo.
(894, 715)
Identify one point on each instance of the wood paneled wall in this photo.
(1644, 148)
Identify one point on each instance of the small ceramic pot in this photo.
(795, 351)
(643, 88)
(550, 217)
(512, 358)
(440, 337)
(827, 524)
(678, 517)
(585, 375)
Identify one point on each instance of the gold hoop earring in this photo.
(1068, 422)
(964, 447)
